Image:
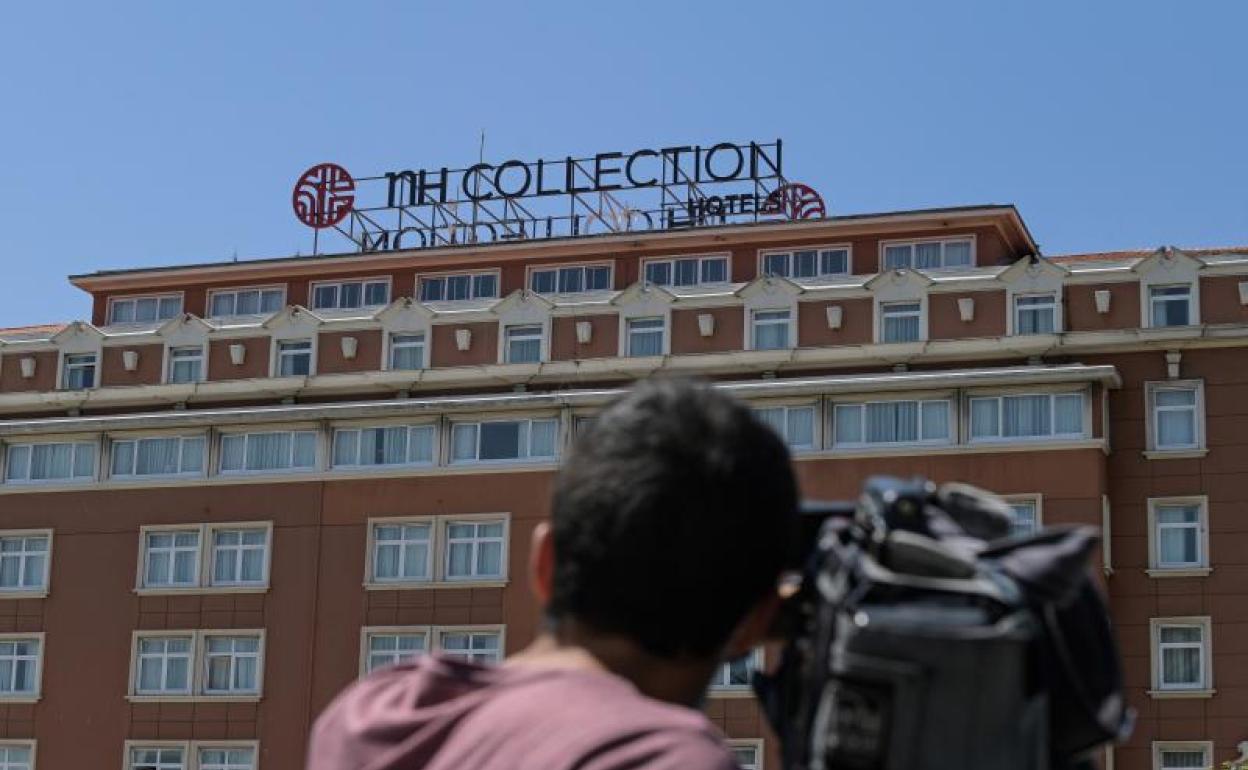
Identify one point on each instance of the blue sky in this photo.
(149, 133)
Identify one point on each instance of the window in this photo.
(41, 463)
(747, 754)
(14, 756)
(771, 329)
(158, 456)
(1176, 416)
(471, 646)
(207, 755)
(474, 550)
(186, 364)
(392, 445)
(1047, 415)
(157, 758)
(645, 336)
(24, 562)
(1179, 534)
(1181, 654)
(386, 648)
(259, 452)
(458, 287)
(232, 664)
(1026, 516)
(891, 422)
(687, 271)
(402, 552)
(20, 664)
(1186, 755)
(205, 556)
(79, 371)
(737, 674)
(407, 351)
(438, 549)
(294, 358)
(503, 440)
(794, 424)
(524, 344)
(143, 309)
(928, 255)
(350, 294)
(1035, 314)
(163, 665)
(901, 322)
(246, 301)
(226, 758)
(807, 263)
(1170, 305)
(569, 280)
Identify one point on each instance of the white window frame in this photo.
(190, 751)
(29, 745)
(472, 284)
(114, 301)
(317, 460)
(1162, 690)
(37, 694)
(439, 550)
(1054, 306)
(920, 314)
(944, 243)
(205, 582)
(1199, 569)
(115, 439)
(367, 633)
(1153, 450)
(891, 446)
(279, 354)
(374, 467)
(531, 276)
(170, 361)
(449, 439)
(444, 534)
(789, 323)
(137, 639)
(261, 291)
(816, 438)
(1036, 501)
(1000, 438)
(437, 632)
(757, 744)
(718, 687)
(819, 250)
(391, 347)
(78, 442)
(529, 336)
(234, 656)
(701, 258)
(199, 666)
(96, 367)
(338, 284)
(32, 592)
(662, 330)
(1206, 747)
(1193, 299)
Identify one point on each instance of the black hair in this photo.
(672, 517)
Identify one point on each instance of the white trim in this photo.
(846, 246)
(700, 257)
(205, 559)
(439, 551)
(46, 587)
(757, 662)
(1203, 746)
(29, 744)
(108, 314)
(275, 353)
(529, 270)
(363, 281)
(758, 744)
(387, 348)
(471, 273)
(1202, 566)
(500, 629)
(367, 632)
(198, 666)
(1205, 687)
(1150, 420)
(37, 694)
(260, 288)
(190, 750)
(166, 375)
(1036, 499)
(942, 239)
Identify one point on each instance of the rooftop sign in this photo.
(611, 192)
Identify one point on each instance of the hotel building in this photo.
(239, 486)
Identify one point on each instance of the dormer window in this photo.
(1035, 314)
(407, 352)
(771, 329)
(686, 271)
(645, 337)
(461, 286)
(524, 344)
(79, 371)
(807, 263)
(143, 309)
(350, 295)
(928, 255)
(186, 364)
(570, 280)
(900, 322)
(1170, 305)
(253, 301)
(294, 358)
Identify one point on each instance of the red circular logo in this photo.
(795, 201)
(324, 195)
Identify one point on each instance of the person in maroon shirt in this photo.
(670, 522)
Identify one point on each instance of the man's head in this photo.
(671, 520)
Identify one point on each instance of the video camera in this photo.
(924, 636)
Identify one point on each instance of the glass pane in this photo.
(597, 278)
(805, 264)
(543, 281)
(896, 257)
(123, 458)
(232, 452)
(834, 262)
(571, 279)
(305, 450)
(1176, 428)
(686, 272)
(500, 440)
(776, 264)
(926, 256)
(848, 418)
(801, 426)
(192, 455)
(1068, 415)
(659, 273)
(457, 287)
(542, 438)
(325, 296)
(1177, 546)
(957, 253)
(935, 415)
(377, 293)
(464, 441)
(1026, 416)
(985, 418)
(248, 302)
(432, 289)
(1193, 759)
(714, 270)
(485, 285)
(420, 445)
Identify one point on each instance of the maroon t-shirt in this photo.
(439, 714)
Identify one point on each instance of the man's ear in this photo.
(542, 562)
(754, 627)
